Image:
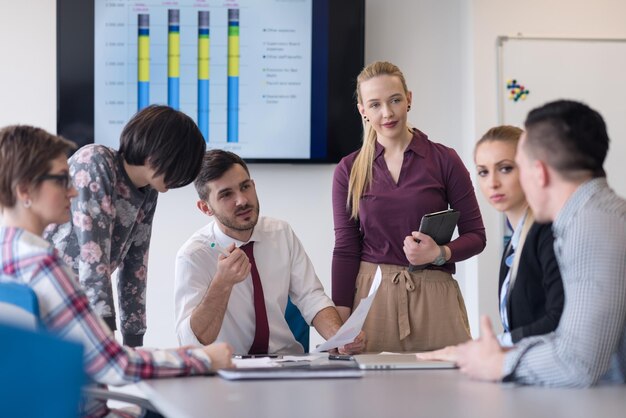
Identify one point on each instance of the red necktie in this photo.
(260, 345)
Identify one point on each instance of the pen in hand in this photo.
(219, 248)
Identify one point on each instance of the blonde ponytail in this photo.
(361, 173)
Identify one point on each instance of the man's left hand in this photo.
(483, 358)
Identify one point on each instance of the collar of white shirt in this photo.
(224, 240)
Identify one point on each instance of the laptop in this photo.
(399, 361)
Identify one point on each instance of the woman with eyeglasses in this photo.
(36, 190)
(111, 223)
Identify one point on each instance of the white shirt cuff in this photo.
(505, 339)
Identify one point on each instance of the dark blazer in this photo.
(536, 300)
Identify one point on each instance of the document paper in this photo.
(348, 331)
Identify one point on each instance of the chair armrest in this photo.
(107, 395)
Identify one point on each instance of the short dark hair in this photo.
(214, 164)
(26, 154)
(569, 136)
(168, 138)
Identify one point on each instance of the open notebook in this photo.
(399, 361)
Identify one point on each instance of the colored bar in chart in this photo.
(204, 59)
(173, 58)
(232, 118)
(143, 61)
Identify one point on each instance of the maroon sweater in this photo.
(432, 178)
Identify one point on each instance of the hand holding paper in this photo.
(352, 327)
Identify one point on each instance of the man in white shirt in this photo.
(214, 286)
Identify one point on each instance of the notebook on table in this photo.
(399, 361)
(301, 371)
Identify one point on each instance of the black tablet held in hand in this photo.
(440, 225)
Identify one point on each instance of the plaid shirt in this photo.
(589, 345)
(65, 310)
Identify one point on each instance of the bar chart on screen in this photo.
(236, 67)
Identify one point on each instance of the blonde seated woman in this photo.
(35, 191)
(531, 294)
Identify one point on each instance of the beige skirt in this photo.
(413, 311)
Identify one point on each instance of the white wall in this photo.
(28, 63)
(447, 52)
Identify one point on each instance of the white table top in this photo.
(402, 393)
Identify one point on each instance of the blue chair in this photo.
(19, 307)
(34, 362)
(42, 375)
(298, 326)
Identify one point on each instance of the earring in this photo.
(27, 203)
(366, 118)
(408, 108)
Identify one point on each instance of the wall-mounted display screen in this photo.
(271, 80)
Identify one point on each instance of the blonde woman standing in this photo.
(380, 194)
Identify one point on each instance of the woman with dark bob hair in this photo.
(111, 223)
(36, 190)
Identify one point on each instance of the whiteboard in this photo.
(589, 70)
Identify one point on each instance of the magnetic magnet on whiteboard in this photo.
(516, 91)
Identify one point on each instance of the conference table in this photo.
(398, 393)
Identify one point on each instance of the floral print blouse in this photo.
(109, 230)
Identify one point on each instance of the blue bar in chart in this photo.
(232, 120)
(143, 61)
(204, 60)
(173, 58)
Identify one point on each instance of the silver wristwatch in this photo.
(441, 258)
